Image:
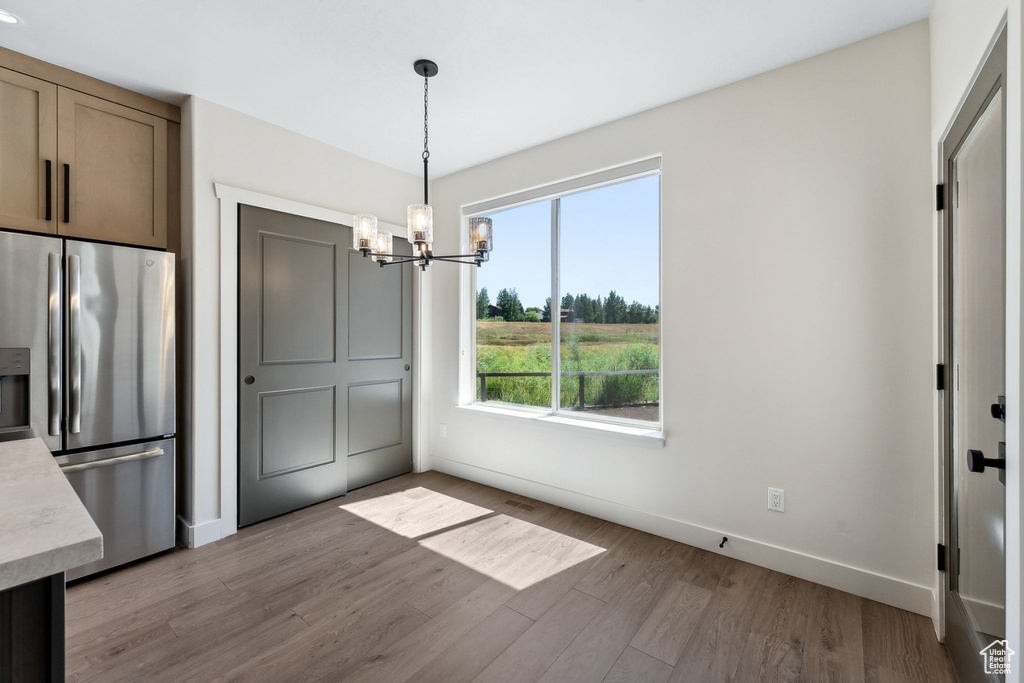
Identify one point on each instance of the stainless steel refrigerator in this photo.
(87, 365)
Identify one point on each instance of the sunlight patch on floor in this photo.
(495, 547)
(416, 511)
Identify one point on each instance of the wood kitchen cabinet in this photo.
(112, 180)
(28, 153)
(85, 159)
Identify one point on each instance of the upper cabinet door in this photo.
(28, 144)
(112, 175)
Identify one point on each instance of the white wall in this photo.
(224, 146)
(797, 325)
(960, 34)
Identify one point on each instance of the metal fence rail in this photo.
(482, 376)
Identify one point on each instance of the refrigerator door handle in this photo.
(54, 342)
(75, 343)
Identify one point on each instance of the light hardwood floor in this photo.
(431, 578)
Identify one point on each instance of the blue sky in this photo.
(609, 241)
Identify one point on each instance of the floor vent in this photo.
(526, 507)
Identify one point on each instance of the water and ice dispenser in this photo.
(14, 390)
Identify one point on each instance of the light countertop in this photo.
(44, 528)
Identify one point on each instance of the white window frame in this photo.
(554, 192)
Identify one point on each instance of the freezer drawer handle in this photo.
(81, 467)
(53, 352)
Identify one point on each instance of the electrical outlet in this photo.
(444, 431)
(776, 500)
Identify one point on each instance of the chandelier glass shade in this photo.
(480, 234)
(364, 231)
(420, 219)
(383, 248)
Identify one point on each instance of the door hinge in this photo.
(940, 197)
(941, 559)
(940, 377)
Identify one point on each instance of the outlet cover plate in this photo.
(777, 500)
(444, 430)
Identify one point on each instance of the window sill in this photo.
(652, 435)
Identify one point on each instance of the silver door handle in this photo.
(54, 342)
(144, 455)
(75, 342)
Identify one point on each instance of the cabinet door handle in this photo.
(67, 193)
(49, 191)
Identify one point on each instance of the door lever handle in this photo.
(998, 410)
(977, 462)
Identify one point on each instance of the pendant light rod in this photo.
(426, 148)
(427, 69)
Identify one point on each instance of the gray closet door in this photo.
(324, 342)
(378, 349)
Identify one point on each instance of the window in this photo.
(567, 314)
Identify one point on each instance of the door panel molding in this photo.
(305, 411)
(316, 308)
(366, 410)
(366, 313)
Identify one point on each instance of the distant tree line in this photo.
(612, 310)
(581, 308)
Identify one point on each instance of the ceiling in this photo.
(513, 73)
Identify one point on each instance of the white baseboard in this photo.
(195, 535)
(885, 589)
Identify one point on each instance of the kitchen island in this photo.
(44, 531)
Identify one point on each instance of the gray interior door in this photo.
(325, 347)
(976, 327)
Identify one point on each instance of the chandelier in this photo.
(379, 244)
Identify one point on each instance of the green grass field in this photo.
(526, 347)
